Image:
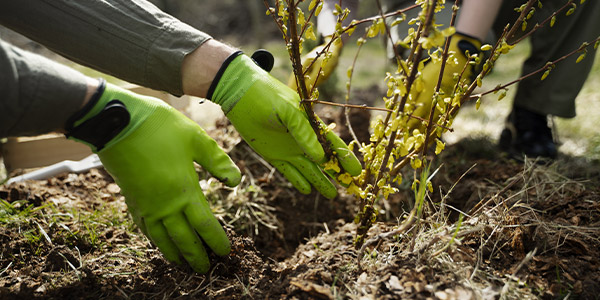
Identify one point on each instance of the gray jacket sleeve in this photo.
(37, 95)
(129, 39)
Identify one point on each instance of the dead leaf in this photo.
(394, 285)
(313, 289)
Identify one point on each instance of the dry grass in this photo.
(464, 250)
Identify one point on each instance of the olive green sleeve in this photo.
(129, 39)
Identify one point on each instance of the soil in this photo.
(530, 231)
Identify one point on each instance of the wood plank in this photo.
(44, 151)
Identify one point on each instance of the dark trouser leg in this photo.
(527, 130)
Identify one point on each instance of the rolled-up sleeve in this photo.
(129, 39)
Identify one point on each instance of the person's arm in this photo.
(326, 20)
(132, 40)
(149, 147)
(200, 67)
(138, 139)
(38, 95)
(477, 17)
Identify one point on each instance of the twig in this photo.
(44, 233)
(480, 205)
(406, 224)
(384, 16)
(363, 106)
(348, 88)
(6, 269)
(525, 261)
(414, 71)
(312, 12)
(439, 82)
(522, 16)
(388, 32)
(544, 68)
(537, 26)
(294, 50)
(494, 55)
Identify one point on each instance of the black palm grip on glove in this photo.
(103, 127)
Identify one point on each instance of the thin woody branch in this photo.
(440, 77)
(543, 23)
(547, 66)
(367, 205)
(297, 67)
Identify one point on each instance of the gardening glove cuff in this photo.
(237, 74)
(465, 44)
(110, 115)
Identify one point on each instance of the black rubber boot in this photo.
(527, 133)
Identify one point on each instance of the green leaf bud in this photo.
(486, 47)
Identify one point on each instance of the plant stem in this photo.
(363, 106)
(440, 77)
(302, 91)
(367, 209)
(348, 89)
(537, 26)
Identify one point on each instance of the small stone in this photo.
(113, 188)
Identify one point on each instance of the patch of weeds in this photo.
(16, 212)
(92, 235)
(112, 216)
(85, 229)
(34, 238)
(243, 208)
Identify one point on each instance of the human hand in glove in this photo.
(268, 116)
(430, 74)
(150, 149)
(311, 69)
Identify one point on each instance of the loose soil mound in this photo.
(526, 232)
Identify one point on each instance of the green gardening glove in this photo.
(150, 149)
(268, 116)
(459, 44)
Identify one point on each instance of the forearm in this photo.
(477, 17)
(132, 40)
(200, 67)
(326, 20)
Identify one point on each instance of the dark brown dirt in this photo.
(312, 255)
